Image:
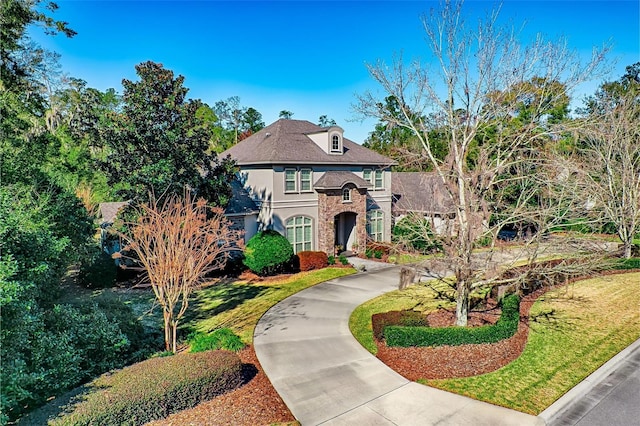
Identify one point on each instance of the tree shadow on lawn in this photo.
(221, 298)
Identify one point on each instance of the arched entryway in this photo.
(345, 230)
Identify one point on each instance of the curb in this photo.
(570, 398)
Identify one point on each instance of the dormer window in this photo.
(335, 143)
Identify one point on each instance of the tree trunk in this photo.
(174, 333)
(167, 328)
(627, 248)
(462, 303)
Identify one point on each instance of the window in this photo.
(346, 195)
(375, 225)
(335, 143)
(305, 180)
(374, 177)
(378, 182)
(299, 233)
(290, 180)
(298, 180)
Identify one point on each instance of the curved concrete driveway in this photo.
(326, 377)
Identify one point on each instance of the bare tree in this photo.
(178, 242)
(609, 161)
(496, 101)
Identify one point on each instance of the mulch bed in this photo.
(255, 403)
(459, 361)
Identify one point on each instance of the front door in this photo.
(345, 230)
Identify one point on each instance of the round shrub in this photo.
(155, 388)
(267, 253)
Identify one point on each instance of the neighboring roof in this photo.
(419, 192)
(286, 142)
(338, 179)
(109, 211)
(241, 202)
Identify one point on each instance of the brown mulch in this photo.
(255, 403)
(459, 361)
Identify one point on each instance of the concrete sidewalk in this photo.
(326, 377)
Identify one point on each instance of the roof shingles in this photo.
(286, 142)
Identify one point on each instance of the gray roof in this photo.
(338, 179)
(286, 142)
(419, 192)
(109, 211)
(241, 202)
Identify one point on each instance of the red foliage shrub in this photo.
(310, 260)
(376, 246)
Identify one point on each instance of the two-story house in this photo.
(314, 186)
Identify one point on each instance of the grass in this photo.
(587, 324)
(419, 297)
(576, 330)
(239, 305)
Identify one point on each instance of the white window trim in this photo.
(337, 150)
(378, 235)
(310, 179)
(346, 195)
(295, 181)
(293, 226)
(373, 178)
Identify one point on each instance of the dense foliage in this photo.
(506, 327)
(155, 388)
(415, 233)
(310, 260)
(268, 252)
(159, 142)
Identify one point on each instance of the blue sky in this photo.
(307, 57)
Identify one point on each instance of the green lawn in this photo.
(239, 305)
(586, 324)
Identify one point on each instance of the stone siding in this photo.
(330, 205)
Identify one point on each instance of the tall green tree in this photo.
(158, 143)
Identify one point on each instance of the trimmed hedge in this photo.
(155, 388)
(382, 320)
(632, 263)
(310, 260)
(504, 328)
(268, 253)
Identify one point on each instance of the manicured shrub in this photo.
(504, 328)
(310, 260)
(632, 263)
(343, 259)
(404, 318)
(155, 388)
(331, 260)
(222, 338)
(268, 253)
